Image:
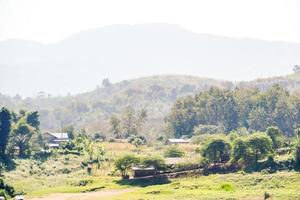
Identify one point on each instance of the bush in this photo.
(157, 162)
(217, 150)
(72, 147)
(185, 166)
(205, 138)
(99, 137)
(133, 138)
(125, 163)
(6, 190)
(297, 155)
(173, 152)
(260, 144)
(228, 187)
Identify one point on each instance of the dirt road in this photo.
(83, 196)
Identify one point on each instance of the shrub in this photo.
(205, 138)
(173, 152)
(297, 155)
(125, 163)
(260, 144)
(217, 150)
(157, 162)
(228, 187)
(6, 190)
(99, 137)
(275, 135)
(133, 138)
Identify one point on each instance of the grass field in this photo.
(283, 185)
(63, 174)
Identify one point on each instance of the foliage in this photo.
(260, 144)
(6, 190)
(242, 107)
(137, 140)
(115, 126)
(217, 150)
(130, 123)
(275, 135)
(207, 129)
(154, 161)
(5, 126)
(173, 152)
(32, 119)
(99, 136)
(297, 154)
(124, 164)
(70, 130)
(21, 135)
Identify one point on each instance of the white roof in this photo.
(53, 145)
(175, 140)
(60, 135)
(142, 168)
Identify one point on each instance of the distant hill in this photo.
(93, 109)
(291, 82)
(157, 94)
(122, 52)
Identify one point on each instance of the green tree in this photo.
(32, 118)
(242, 154)
(275, 135)
(5, 126)
(260, 144)
(258, 119)
(133, 121)
(22, 134)
(217, 150)
(125, 163)
(70, 130)
(99, 155)
(157, 162)
(297, 154)
(115, 124)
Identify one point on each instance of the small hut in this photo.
(140, 171)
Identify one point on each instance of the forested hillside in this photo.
(92, 110)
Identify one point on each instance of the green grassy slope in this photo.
(283, 185)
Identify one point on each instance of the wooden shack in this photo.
(140, 171)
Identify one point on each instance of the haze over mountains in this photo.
(78, 63)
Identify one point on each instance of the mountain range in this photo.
(121, 52)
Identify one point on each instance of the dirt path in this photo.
(83, 196)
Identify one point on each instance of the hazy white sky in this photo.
(52, 20)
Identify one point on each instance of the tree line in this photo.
(218, 111)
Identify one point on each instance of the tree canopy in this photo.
(250, 108)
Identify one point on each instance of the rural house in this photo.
(54, 140)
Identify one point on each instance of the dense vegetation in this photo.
(218, 111)
(93, 110)
(156, 94)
